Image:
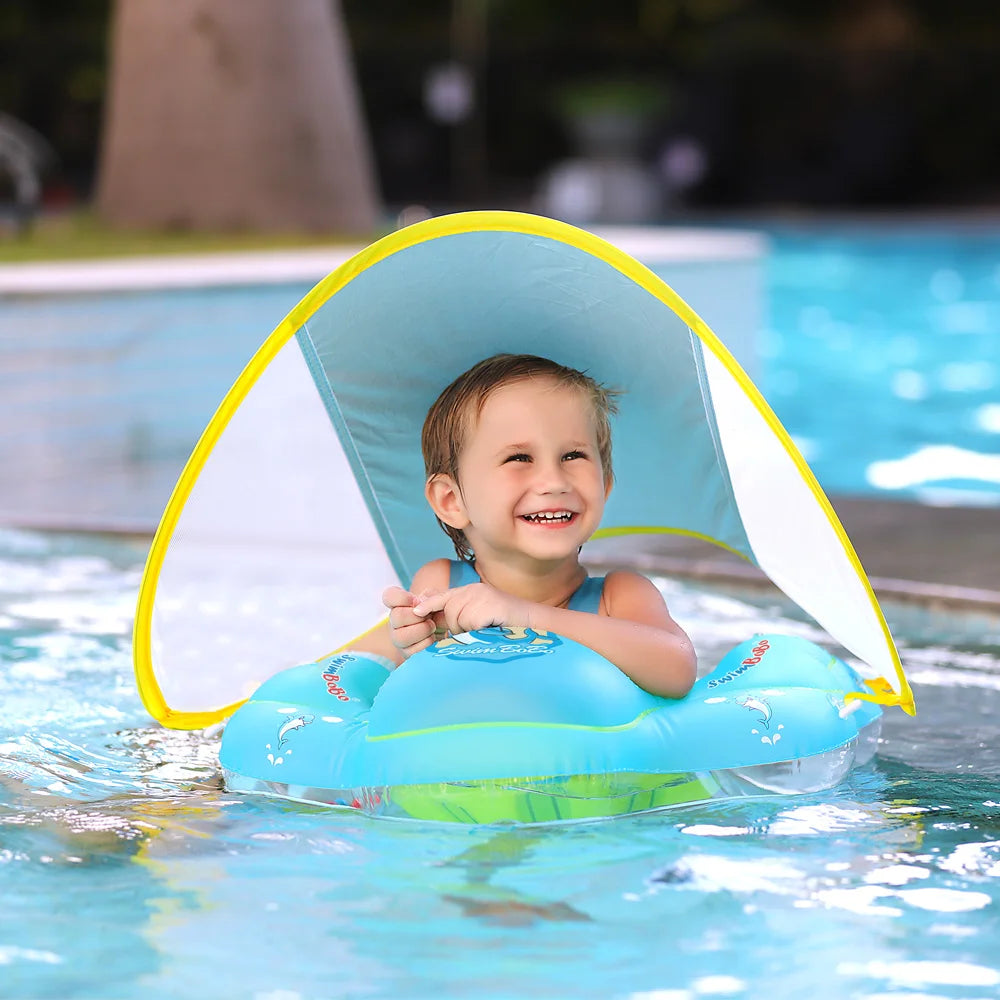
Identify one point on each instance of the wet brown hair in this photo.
(454, 412)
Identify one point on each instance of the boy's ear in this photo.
(608, 483)
(445, 498)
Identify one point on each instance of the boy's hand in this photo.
(476, 605)
(408, 631)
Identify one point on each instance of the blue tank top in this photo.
(587, 597)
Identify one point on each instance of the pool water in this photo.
(127, 872)
(894, 327)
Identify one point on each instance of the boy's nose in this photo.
(551, 478)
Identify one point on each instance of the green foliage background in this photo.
(789, 107)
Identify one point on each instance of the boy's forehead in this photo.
(523, 398)
(530, 387)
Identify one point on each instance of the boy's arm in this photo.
(635, 631)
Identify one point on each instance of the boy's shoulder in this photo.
(433, 575)
(625, 588)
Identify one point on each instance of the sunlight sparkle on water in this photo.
(987, 418)
(924, 973)
(931, 464)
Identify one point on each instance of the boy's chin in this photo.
(540, 544)
(526, 555)
(553, 548)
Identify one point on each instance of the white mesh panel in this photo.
(793, 541)
(274, 560)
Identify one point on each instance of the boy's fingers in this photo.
(400, 618)
(431, 602)
(418, 646)
(406, 637)
(455, 614)
(396, 597)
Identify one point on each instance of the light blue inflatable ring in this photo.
(505, 725)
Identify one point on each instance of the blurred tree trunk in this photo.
(234, 114)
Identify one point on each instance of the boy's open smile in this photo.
(550, 518)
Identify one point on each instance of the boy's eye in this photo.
(574, 454)
(518, 457)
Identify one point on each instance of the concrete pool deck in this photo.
(911, 552)
(675, 245)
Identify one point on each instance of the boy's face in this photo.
(531, 486)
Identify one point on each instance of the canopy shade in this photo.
(308, 482)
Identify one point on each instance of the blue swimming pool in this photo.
(128, 873)
(882, 356)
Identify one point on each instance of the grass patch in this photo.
(81, 235)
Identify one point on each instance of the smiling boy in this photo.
(517, 453)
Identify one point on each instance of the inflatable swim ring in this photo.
(512, 725)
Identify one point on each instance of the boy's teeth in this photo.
(562, 515)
